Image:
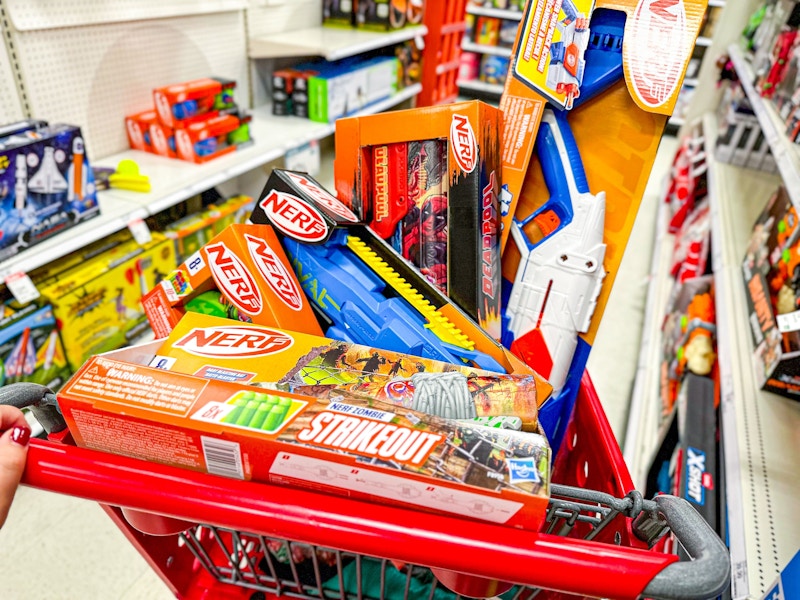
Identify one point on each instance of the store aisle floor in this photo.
(62, 548)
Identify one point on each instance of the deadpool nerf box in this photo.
(444, 216)
(242, 273)
(303, 211)
(348, 445)
(217, 348)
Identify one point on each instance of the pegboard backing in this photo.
(93, 76)
(289, 16)
(30, 15)
(10, 106)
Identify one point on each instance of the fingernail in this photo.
(20, 435)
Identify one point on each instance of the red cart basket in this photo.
(243, 540)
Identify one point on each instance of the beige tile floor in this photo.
(60, 548)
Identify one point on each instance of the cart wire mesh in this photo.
(297, 570)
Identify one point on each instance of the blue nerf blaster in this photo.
(352, 297)
(560, 275)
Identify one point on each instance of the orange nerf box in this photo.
(216, 348)
(183, 103)
(242, 272)
(138, 129)
(349, 444)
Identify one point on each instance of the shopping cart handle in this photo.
(39, 399)
(708, 574)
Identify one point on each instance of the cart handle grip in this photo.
(708, 574)
(39, 399)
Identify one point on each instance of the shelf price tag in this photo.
(140, 231)
(789, 322)
(22, 287)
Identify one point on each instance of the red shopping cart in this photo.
(230, 539)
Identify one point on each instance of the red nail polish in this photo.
(20, 435)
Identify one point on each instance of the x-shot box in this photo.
(98, 303)
(351, 444)
(211, 138)
(47, 185)
(31, 349)
(179, 104)
(242, 273)
(586, 99)
(217, 348)
(428, 180)
(771, 273)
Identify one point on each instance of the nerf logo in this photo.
(274, 272)
(233, 279)
(374, 439)
(381, 178)
(657, 49)
(326, 200)
(293, 217)
(488, 237)
(234, 342)
(697, 480)
(463, 143)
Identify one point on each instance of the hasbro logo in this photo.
(522, 469)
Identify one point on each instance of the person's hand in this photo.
(14, 436)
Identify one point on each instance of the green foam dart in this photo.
(262, 411)
(238, 406)
(248, 412)
(275, 417)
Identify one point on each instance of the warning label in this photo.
(520, 121)
(127, 384)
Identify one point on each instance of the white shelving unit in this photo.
(786, 152)
(480, 86)
(332, 43)
(499, 13)
(468, 46)
(174, 181)
(643, 416)
(760, 440)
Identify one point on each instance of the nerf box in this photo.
(137, 126)
(179, 104)
(363, 289)
(211, 138)
(242, 273)
(216, 348)
(48, 185)
(31, 349)
(338, 12)
(771, 274)
(350, 444)
(98, 303)
(386, 15)
(428, 180)
(588, 93)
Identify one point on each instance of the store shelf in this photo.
(644, 414)
(786, 152)
(703, 41)
(676, 121)
(499, 13)
(760, 440)
(174, 181)
(329, 42)
(467, 46)
(481, 86)
(115, 214)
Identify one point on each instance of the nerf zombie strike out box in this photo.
(350, 445)
(590, 86)
(771, 273)
(221, 349)
(428, 181)
(242, 274)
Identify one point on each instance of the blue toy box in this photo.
(46, 185)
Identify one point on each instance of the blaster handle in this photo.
(564, 176)
(479, 359)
